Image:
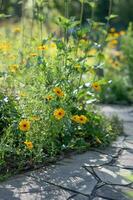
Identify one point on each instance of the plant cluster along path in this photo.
(95, 175)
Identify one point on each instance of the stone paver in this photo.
(112, 174)
(27, 188)
(69, 175)
(126, 159)
(116, 193)
(100, 174)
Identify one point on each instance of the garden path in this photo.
(98, 174)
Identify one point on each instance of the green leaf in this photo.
(112, 16)
(2, 15)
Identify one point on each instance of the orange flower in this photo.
(59, 113)
(75, 118)
(96, 86)
(49, 97)
(29, 145)
(42, 47)
(33, 54)
(82, 119)
(24, 125)
(58, 92)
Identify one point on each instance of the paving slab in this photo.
(90, 158)
(126, 159)
(124, 113)
(27, 188)
(110, 151)
(112, 174)
(128, 128)
(115, 193)
(119, 142)
(68, 175)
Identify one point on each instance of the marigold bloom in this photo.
(49, 97)
(59, 113)
(114, 42)
(13, 68)
(82, 119)
(24, 125)
(75, 118)
(29, 144)
(58, 92)
(22, 94)
(53, 45)
(17, 30)
(112, 30)
(42, 47)
(96, 86)
(33, 54)
(122, 32)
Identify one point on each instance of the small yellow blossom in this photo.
(114, 42)
(112, 30)
(42, 47)
(33, 54)
(92, 52)
(22, 94)
(24, 125)
(82, 119)
(75, 118)
(122, 32)
(29, 145)
(96, 86)
(53, 45)
(59, 113)
(49, 97)
(13, 68)
(58, 92)
(17, 30)
(116, 35)
(77, 66)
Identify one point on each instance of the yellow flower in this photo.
(122, 32)
(92, 52)
(77, 66)
(33, 54)
(42, 47)
(24, 125)
(116, 35)
(59, 113)
(17, 30)
(114, 42)
(82, 119)
(58, 92)
(96, 86)
(49, 97)
(53, 45)
(13, 68)
(75, 118)
(112, 30)
(29, 144)
(22, 94)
